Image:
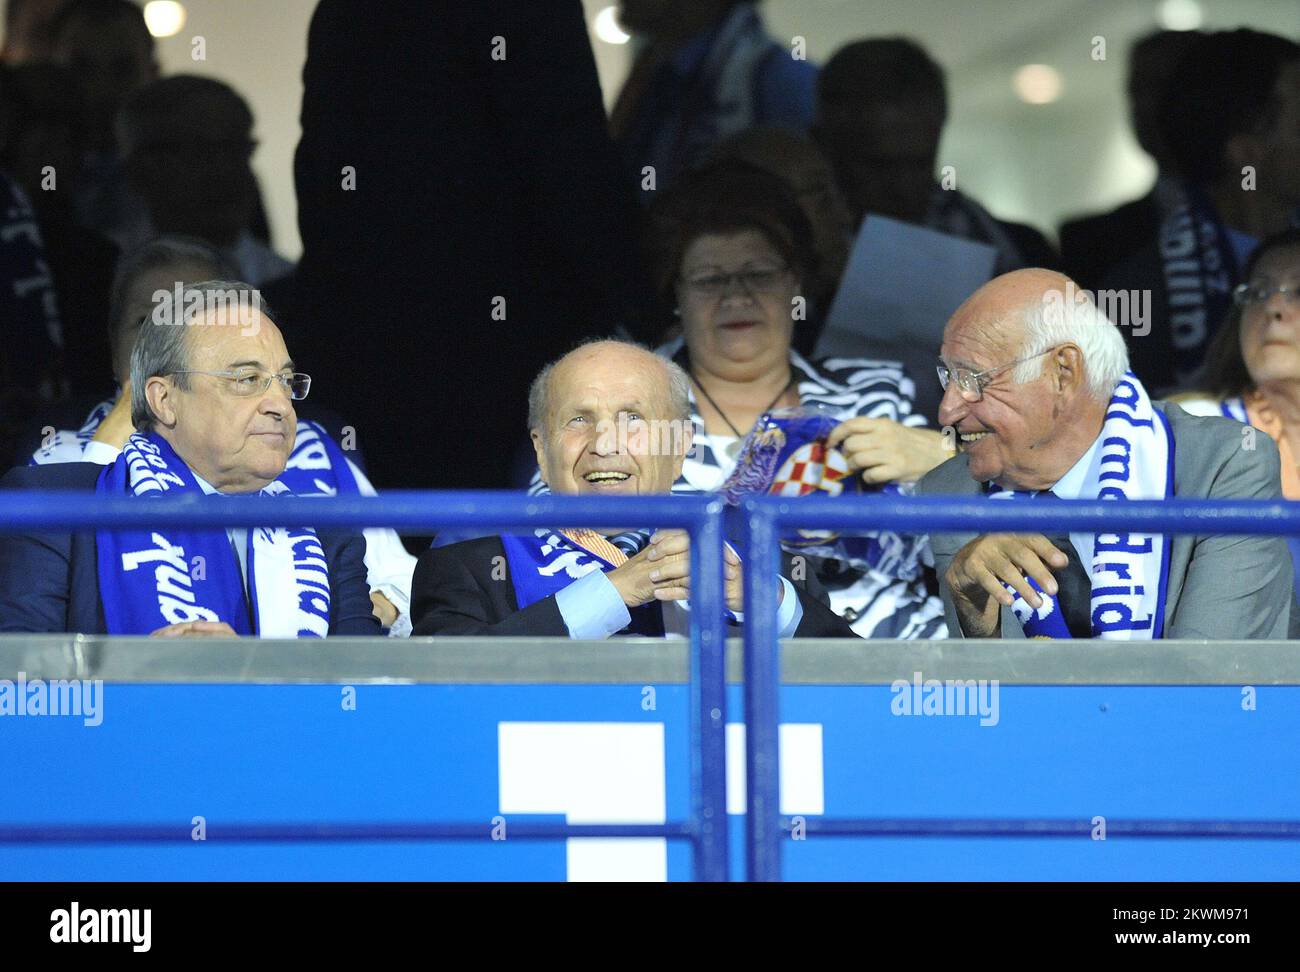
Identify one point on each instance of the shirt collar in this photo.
(1070, 486)
(204, 485)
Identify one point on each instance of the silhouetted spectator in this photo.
(463, 222)
(110, 52)
(1091, 245)
(186, 143)
(1229, 122)
(40, 130)
(29, 378)
(881, 108)
(708, 70)
(28, 31)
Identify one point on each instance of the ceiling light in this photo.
(164, 18)
(608, 28)
(1038, 84)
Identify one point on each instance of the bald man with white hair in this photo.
(1038, 390)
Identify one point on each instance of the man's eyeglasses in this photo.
(971, 384)
(1259, 291)
(756, 281)
(248, 382)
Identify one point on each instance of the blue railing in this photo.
(766, 516)
(762, 521)
(485, 512)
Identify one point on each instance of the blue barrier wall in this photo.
(290, 753)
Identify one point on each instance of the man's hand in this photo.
(383, 609)
(195, 629)
(734, 578)
(885, 451)
(976, 574)
(660, 572)
(116, 427)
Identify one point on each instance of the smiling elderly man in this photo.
(212, 402)
(1037, 386)
(608, 419)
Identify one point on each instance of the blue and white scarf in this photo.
(1200, 269)
(545, 562)
(1235, 408)
(152, 578)
(1129, 571)
(317, 466)
(66, 445)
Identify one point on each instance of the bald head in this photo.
(610, 417)
(618, 357)
(1001, 307)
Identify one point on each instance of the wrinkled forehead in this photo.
(983, 340)
(612, 383)
(228, 338)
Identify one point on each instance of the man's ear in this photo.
(1069, 368)
(540, 451)
(161, 395)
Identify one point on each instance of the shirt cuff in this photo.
(790, 614)
(592, 607)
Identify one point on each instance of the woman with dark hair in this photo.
(1253, 369)
(731, 249)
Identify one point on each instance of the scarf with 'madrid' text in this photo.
(1128, 571)
(152, 578)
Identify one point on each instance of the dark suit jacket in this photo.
(49, 582)
(454, 593)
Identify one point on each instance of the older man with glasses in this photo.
(212, 393)
(1038, 390)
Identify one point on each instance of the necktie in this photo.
(647, 620)
(593, 542)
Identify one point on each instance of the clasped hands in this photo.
(662, 572)
(977, 574)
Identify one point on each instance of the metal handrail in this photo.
(765, 516)
(703, 517)
(489, 512)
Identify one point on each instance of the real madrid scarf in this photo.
(152, 578)
(316, 467)
(1129, 571)
(66, 445)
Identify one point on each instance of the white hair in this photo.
(1071, 317)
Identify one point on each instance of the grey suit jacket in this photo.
(1220, 587)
